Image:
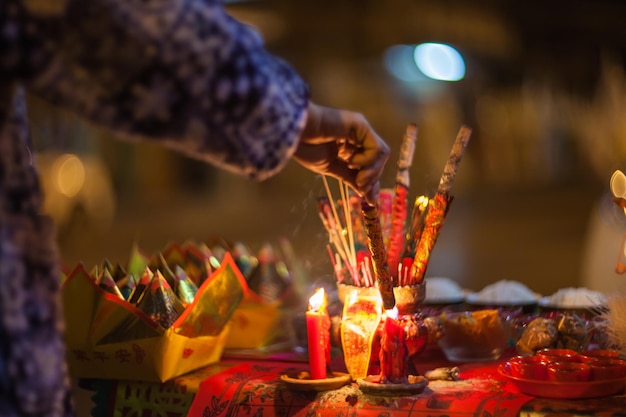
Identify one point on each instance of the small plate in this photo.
(302, 381)
(450, 300)
(527, 306)
(567, 390)
(417, 385)
(473, 298)
(547, 303)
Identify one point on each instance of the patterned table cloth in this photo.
(245, 387)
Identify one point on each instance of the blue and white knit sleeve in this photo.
(181, 72)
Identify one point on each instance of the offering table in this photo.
(246, 386)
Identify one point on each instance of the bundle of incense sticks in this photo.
(349, 267)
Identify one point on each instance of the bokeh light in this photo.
(70, 174)
(400, 63)
(439, 61)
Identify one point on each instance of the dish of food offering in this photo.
(442, 290)
(574, 298)
(504, 293)
(474, 336)
(581, 301)
(566, 374)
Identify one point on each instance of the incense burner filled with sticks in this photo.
(381, 251)
(383, 248)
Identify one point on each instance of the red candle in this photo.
(393, 351)
(318, 334)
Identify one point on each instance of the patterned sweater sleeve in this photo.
(181, 72)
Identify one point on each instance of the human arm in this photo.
(178, 72)
(183, 73)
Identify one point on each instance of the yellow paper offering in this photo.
(255, 324)
(108, 337)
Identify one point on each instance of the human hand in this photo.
(343, 145)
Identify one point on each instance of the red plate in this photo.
(569, 390)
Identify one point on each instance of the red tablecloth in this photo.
(254, 388)
(244, 386)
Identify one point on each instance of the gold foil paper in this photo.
(185, 288)
(160, 303)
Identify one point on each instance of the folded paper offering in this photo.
(155, 339)
(256, 322)
(178, 309)
(271, 286)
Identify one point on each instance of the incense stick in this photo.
(454, 159)
(399, 212)
(337, 231)
(347, 210)
(378, 254)
(342, 237)
(407, 149)
(331, 226)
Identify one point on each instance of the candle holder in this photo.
(301, 381)
(361, 317)
(419, 332)
(346, 290)
(362, 331)
(393, 378)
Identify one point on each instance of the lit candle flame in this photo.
(393, 313)
(317, 300)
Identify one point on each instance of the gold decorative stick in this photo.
(376, 245)
(418, 216)
(433, 222)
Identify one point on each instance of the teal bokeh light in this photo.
(439, 61)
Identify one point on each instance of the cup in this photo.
(569, 372)
(527, 367)
(361, 316)
(599, 354)
(607, 368)
(559, 355)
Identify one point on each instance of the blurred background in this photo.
(542, 85)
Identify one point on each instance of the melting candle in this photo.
(393, 351)
(318, 335)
